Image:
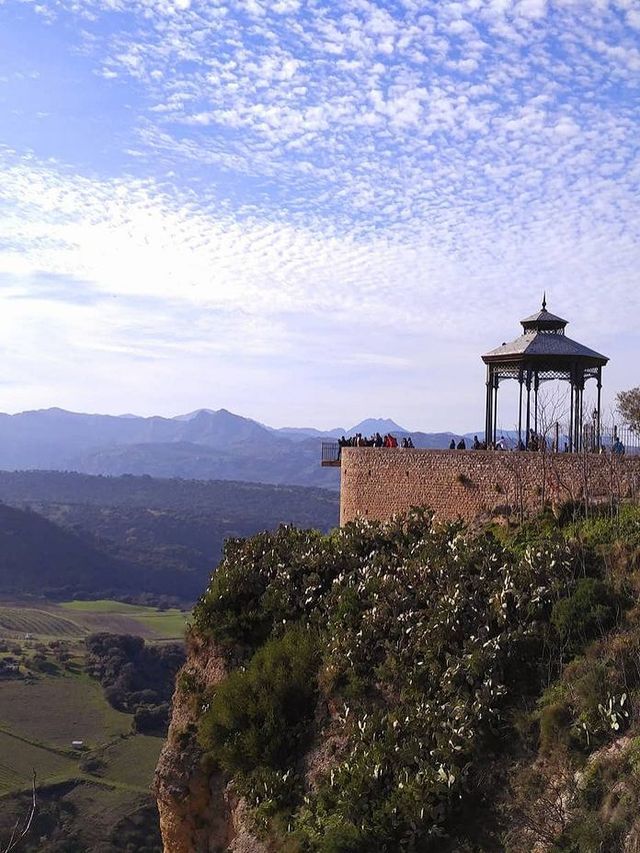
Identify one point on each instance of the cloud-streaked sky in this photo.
(310, 212)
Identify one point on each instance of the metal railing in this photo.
(330, 453)
(609, 435)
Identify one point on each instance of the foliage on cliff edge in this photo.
(424, 687)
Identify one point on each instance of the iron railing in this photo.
(630, 439)
(330, 453)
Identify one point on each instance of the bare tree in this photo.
(552, 410)
(541, 806)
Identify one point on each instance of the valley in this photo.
(48, 701)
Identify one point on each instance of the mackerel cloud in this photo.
(418, 164)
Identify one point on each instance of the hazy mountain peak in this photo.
(372, 425)
(191, 415)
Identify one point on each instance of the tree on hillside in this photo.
(629, 407)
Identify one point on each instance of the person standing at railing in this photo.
(618, 447)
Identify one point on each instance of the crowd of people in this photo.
(481, 445)
(536, 442)
(389, 440)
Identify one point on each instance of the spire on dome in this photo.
(544, 301)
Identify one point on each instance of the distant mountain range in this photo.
(205, 444)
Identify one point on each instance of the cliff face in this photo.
(199, 812)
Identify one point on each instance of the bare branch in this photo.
(16, 839)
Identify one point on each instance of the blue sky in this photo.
(311, 212)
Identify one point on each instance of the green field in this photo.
(56, 710)
(18, 759)
(43, 623)
(132, 761)
(76, 619)
(105, 787)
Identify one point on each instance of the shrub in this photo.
(586, 834)
(151, 719)
(257, 716)
(425, 641)
(555, 722)
(589, 611)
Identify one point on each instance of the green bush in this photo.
(555, 723)
(589, 611)
(258, 716)
(428, 645)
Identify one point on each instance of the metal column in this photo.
(489, 404)
(520, 380)
(598, 420)
(528, 407)
(571, 413)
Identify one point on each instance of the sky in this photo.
(311, 212)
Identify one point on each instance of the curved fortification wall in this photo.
(379, 482)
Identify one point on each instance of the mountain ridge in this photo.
(202, 444)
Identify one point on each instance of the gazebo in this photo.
(543, 352)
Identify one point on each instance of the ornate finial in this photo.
(544, 301)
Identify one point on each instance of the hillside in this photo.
(135, 535)
(413, 686)
(37, 556)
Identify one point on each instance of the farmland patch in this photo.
(60, 709)
(18, 759)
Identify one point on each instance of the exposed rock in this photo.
(198, 812)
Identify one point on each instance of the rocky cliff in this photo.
(199, 811)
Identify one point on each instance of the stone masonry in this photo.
(379, 482)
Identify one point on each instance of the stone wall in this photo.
(378, 482)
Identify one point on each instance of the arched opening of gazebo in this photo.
(542, 353)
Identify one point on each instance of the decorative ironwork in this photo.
(543, 353)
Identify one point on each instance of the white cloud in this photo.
(413, 165)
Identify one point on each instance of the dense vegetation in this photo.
(39, 557)
(256, 503)
(134, 536)
(137, 678)
(427, 687)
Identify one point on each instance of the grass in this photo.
(40, 717)
(18, 759)
(164, 624)
(101, 808)
(132, 761)
(105, 605)
(57, 710)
